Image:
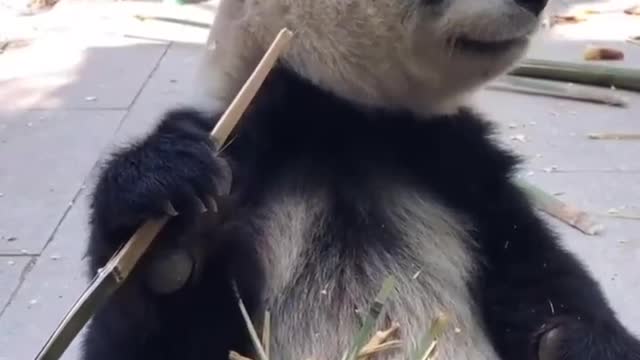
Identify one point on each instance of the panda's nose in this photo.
(535, 6)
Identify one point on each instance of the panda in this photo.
(359, 158)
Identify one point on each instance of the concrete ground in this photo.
(86, 76)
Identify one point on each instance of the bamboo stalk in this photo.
(262, 355)
(117, 270)
(550, 88)
(600, 75)
(239, 104)
(266, 333)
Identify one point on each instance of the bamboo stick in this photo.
(600, 75)
(543, 87)
(117, 270)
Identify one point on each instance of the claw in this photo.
(201, 205)
(224, 180)
(170, 210)
(212, 204)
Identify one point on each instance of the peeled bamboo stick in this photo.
(550, 88)
(116, 271)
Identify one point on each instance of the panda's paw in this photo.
(573, 339)
(550, 343)
(172, 171)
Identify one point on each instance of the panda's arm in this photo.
(539, 302)
(174, 163)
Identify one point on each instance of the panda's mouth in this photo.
(487, 47)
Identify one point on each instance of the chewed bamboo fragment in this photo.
(566, 213)
(380, 342)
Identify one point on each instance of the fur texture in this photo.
(400, 54)
(354, 162)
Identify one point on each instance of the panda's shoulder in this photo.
(292, 110)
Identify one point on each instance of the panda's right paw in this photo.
(172, 171)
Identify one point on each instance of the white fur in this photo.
(313, 319)
(391, 53)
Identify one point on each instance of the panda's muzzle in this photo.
(534, 6)
(465, 43)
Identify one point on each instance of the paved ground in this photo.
(89, 82)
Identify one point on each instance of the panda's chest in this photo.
(359, 232)
(324, 263)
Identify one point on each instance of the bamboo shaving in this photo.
(389, 345)
(379, 342)
(240, 103)
(566, 213)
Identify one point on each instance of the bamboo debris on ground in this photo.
(551, 88)
(566, 213)
(600, 75)
(622, 213)
(598, 53)
(614, 136)
(633, 10)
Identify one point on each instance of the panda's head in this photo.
(421, 55)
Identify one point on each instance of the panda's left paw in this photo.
(572, 339)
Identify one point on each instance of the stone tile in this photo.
(556, 131)
(613, 255)
(71, 71)
(169, 87)
(11, 270)
(55, 282)
(44, 158)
